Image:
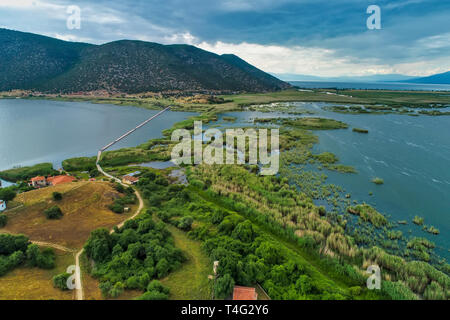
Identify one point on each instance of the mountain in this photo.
(45, 64)
(440, 78)
(28, 60)
(371, 78)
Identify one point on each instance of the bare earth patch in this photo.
(85, 208)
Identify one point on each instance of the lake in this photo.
(36, 131)
(371, 85)
(411, 154)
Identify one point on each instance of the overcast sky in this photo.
(314, 37)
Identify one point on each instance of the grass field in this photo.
(85, 208)
(36, 284)
(190, 282)
(90, 285)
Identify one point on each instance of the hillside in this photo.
(440, 78)
(51, 65)
(28, 59)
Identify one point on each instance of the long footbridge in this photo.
(109, 145)
(133, 130)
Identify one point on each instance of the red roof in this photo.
(60, 180)
(131, 178)
(38, 178)
(244, 293)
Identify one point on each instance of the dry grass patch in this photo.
(36, 284)
(85, 208)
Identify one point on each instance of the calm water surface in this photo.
(411, 154)
(36, 131)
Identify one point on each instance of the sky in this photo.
(327, 38)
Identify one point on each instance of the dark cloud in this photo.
(412, 30)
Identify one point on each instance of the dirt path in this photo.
(53, 245)
(80, 293)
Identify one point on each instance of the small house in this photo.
(244, 293)
(38, 182)
(130, 180)
(2, 205)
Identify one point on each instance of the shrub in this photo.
(3, 220)
(418, 220)
(223, 286)
(53, 213)
(377, 180)
(117, 207)
(153, 295)
(155, 285)
(120, 188)
(7, 194)
(116, 290)
(94, 173)
(185, 223)
(36, 258)
(57, 196)
(60, 281)
(105, 287)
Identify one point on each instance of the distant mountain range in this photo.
(34, 62)
(442, 78)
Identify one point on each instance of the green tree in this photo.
(53, 213)
(244, 232)
(156, 285)
(185, 223)
(223, 286)
(162, 268)
(60, 281)
(270, 253)
(3, 220)
(57, 196)
(153, 295)
(7, 194)
(98, 245)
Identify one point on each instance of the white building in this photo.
(2, 205)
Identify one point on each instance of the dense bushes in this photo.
(132, 256)
(16, 250)
(185, 223)
(118, 206)
(223, 286)
(79, 164)
(155, 291)
(57, 196)
(7, 194)
(44, 259)
(26, 173)
(3, 220)
(245, 255)
(53, 213)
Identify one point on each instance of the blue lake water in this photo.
(371, 85)
(411, 154)
(36, 131)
